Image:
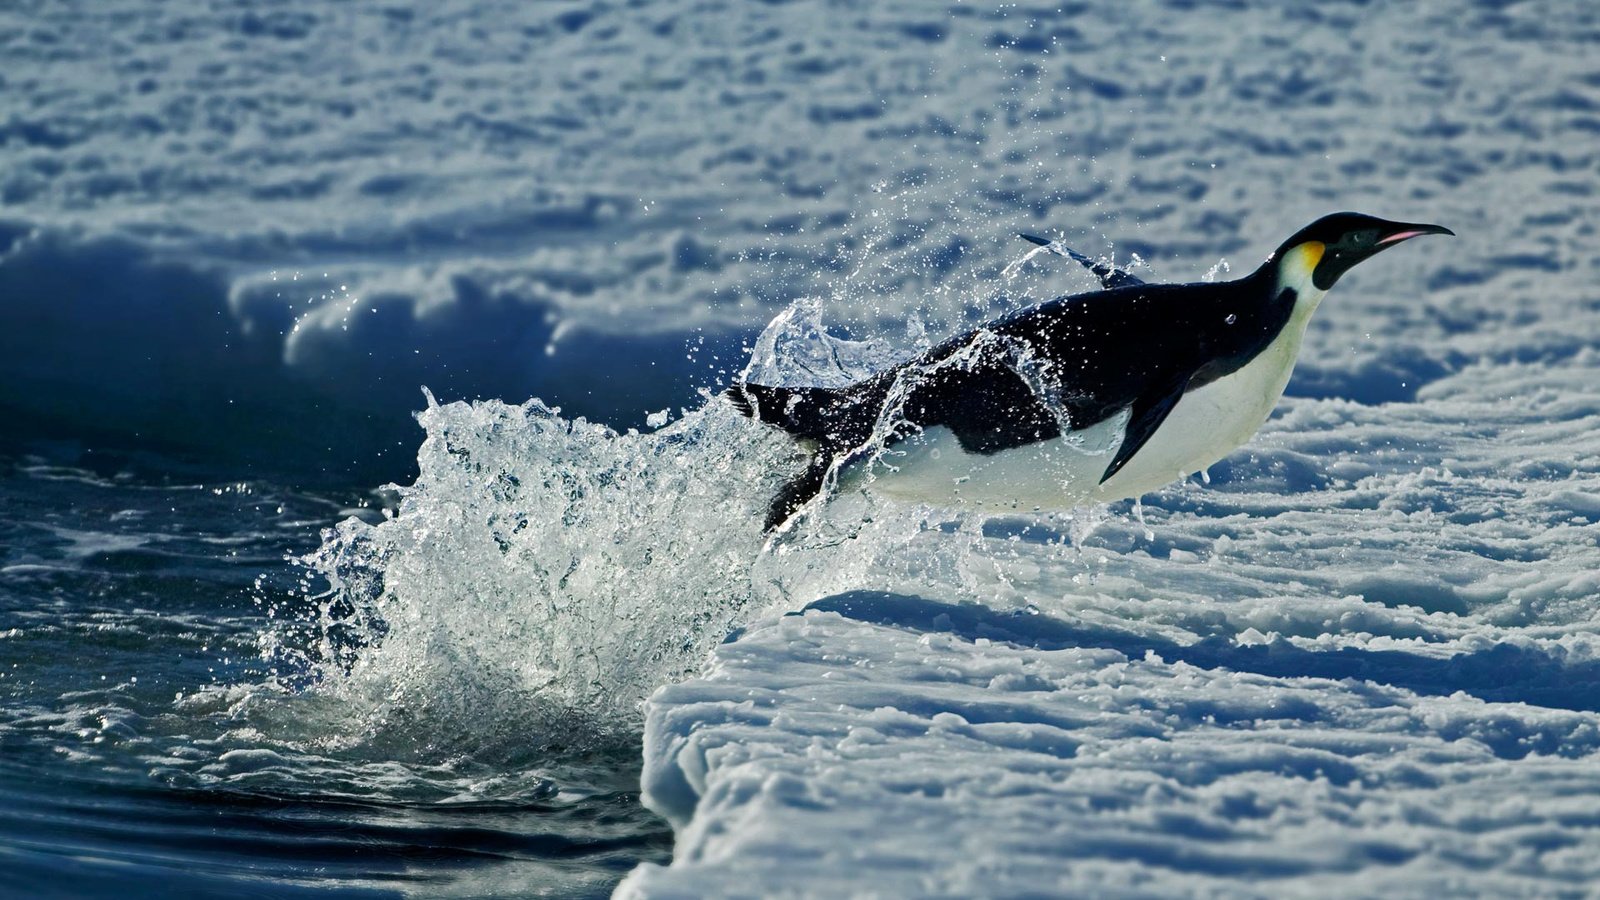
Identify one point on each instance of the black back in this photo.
(1083, 358)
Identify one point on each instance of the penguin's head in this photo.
(1330, 246)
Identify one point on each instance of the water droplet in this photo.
(1231, 319)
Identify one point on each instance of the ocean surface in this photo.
(368, 525)
(151, 744)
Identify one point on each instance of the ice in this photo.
(834, 755)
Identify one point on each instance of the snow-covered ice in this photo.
(281, 221)
(955, 752)
(1363, 661)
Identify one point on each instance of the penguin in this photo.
(1085, 398)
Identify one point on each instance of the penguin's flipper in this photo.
(1110, 276)
(1149, 411)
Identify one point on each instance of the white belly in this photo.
(1207, 424)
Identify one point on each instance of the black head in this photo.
(1335, 243)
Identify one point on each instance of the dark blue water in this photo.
(149, 747)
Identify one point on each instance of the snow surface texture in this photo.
(1362, 661)
(256, 230)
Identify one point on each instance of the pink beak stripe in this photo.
(1400, 236)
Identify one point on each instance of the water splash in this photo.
(544, 575)
(796, 349)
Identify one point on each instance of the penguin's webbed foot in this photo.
(796, 493)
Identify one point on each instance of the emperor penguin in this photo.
(1085, 398)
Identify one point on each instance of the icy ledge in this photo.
(825, 756)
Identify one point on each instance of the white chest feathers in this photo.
(1210, 422)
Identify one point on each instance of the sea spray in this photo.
(542, 568)
(544, 575)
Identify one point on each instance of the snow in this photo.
(279, 222)
(843, 757)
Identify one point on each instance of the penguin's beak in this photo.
(1406, 232)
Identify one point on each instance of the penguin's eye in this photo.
(1363, 238)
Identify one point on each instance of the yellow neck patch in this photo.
(1301, 261)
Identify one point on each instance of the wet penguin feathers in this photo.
(1131, 353)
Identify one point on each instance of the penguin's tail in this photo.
(804, 412)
